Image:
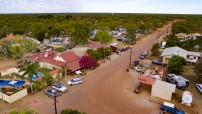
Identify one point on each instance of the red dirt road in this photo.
(107, 90)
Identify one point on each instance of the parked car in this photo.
(135, 63)
(157, 61)
(118, 52)
(75, 81)
(140, 69)
(59, 87)
(119, 39)
(132, 43)
(169, 107)
(199, 87)
(51, 92)
(179, 81)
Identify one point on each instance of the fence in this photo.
(14, 97)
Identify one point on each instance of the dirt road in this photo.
(107, 90)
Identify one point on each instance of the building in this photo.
(54, 60)
(163, 90)
(184, 37)
(190, 56)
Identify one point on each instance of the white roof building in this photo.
(190, 56)
(163, 90)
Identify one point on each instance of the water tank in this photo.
(187, 98)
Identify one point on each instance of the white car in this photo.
(140, 69)
(59, 87)
(75, 81)
(199, 87)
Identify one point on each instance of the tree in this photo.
(155, 49)
(198, 69)
(31, 69)
(39, 85)
(13, 111)
(71, 111)
(172, 41)
(40, 35)
(48, 79)
(79, 31)
(176, 63)
(88, 61)
(103, 36)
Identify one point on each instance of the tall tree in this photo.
(176, 63)
(155, 49)
(103, 36)
(31, 69)
(79, 31)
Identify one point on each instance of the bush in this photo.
(60, 49)
(71, 111)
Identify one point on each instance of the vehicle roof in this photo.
(169, 104)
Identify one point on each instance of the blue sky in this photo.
(101, 6)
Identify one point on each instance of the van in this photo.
(169, 107)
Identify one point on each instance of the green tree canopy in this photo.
(13, 111)
(31, 69)
(172, 41)
(103, 36)
(79, 31)
(71, 111)
(155, 49)
(176, 63)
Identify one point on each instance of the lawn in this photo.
(44, 70)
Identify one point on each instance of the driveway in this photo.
(106, 90)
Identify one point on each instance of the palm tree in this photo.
(48, 79)
(31, 69)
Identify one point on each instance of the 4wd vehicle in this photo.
(157, 61)
(199, 87)
(59, 87)
(144, 55)
(51, 92)
(169, 107)
(140, 69)
(135, 63)
(75, 81)
(179, 81)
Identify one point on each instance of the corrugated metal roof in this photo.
(165, 85)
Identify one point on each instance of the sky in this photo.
(101, 6)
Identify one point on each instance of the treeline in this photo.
(43, 26)
(192, 24)
(78, 26)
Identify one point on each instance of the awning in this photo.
(146, 80)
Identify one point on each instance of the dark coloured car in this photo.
(168, 107)
(51, 92)
(135, 63)
(119, 39)
(142, 56)
(156, 61)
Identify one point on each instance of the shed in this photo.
(163, 90)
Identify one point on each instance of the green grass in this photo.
(44, 70)
(8, 76)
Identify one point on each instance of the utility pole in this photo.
(130, 59)
(55, 102)
(4, 109)
(54, 98)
